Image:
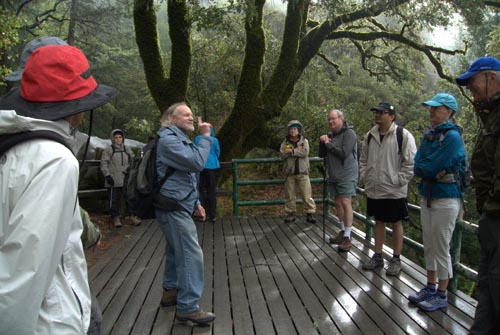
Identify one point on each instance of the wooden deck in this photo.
(263, 276)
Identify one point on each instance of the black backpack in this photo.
(10, 140)
(399, 138)
(141, 181)
(463, 176)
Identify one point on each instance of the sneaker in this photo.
(433, 303)
(310, 218)
(394, 267)
(373, 263)
(290, 217)
(199, 317)
(421, 295)
(212, 219)
(117, 222)
(133, 220)
(337, 239)
(345, 245)
(169, 297)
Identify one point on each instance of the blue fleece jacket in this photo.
(213, 157)
(442, 148)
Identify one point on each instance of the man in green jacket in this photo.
(482, 79)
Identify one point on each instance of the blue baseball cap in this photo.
(443, 99)
(480, 64)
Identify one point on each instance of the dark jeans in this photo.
(207, 189)
(487, 318)
(95, 316)
(115, 196)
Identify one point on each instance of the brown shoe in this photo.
(199, 317)
(117, 223)
(133, 220)
(169, 297)
(345, 245)
(337, 239)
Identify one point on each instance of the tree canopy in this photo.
(384, 34)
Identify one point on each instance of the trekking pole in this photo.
(322, 169)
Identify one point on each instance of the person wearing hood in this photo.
(386, 169)
(339, 148)
(115, 161)
(440, 155)
(482, 79)
(295, 151)
(208, 184)
(44, 285)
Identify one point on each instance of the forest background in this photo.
(249, 67)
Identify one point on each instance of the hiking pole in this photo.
(322, 169)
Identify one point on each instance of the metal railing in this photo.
(456, 242)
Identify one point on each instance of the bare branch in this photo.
(330, 62)
(426, 49)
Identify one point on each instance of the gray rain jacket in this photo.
(115, 160)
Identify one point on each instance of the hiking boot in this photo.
(290, 217)
(310, 218)
(345, 244)
(421, 295)
(199, 317)
(337, 239)
(133, 220)
(117, 222)
(394, 267)
(433, 303)
(169, 297)
(373, 263)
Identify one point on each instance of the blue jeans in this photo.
(183, 259)
(487, 318)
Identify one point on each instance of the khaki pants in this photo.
(301, 183)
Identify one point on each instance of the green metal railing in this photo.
(456, 242)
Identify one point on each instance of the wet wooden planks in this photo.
(263, 276)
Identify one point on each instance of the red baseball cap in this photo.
(56, 83)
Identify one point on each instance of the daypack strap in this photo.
(399, 138)
(10, 140)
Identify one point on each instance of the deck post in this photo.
(235, 188)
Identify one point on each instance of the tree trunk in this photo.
(164, 90)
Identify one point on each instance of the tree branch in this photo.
(426, 49)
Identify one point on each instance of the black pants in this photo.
(207, 192)
(115, 196)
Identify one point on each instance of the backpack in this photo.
(399, 138)
(10, 140)
(463, 177)
(141, 181)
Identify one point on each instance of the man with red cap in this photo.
(482, 79)
(43, 274)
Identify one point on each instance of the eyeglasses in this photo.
(381, 112)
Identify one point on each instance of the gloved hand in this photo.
(110, 180)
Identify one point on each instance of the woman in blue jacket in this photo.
(208, 185)
(437, 162)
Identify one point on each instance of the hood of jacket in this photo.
(12, 123)
(345, 126)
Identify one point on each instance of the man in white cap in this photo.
(482, 79)
(43, 274)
